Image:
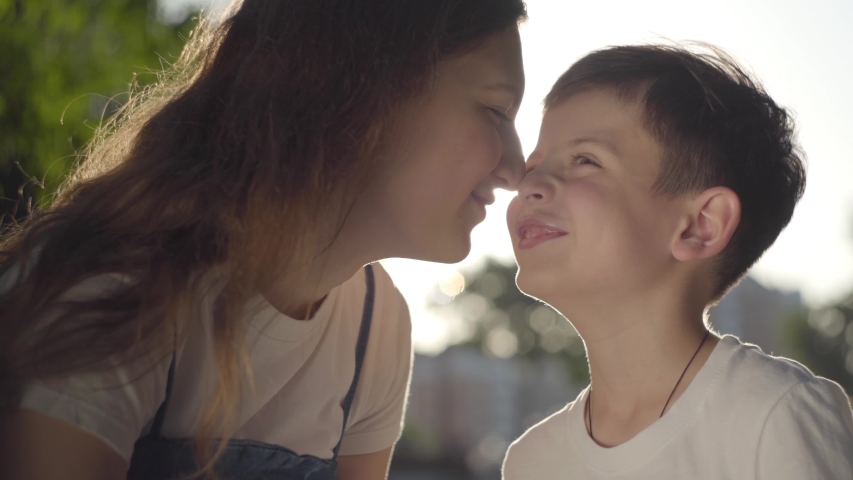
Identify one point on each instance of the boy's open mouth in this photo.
(532, 232)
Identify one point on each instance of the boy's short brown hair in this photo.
(717, 127)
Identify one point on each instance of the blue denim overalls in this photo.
(159, 458)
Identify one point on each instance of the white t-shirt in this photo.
(301, 372)
(745, 415)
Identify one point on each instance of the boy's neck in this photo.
(637, 351)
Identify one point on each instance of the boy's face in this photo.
(585, 224)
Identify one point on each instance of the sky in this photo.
(800, 51)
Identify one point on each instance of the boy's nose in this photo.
(535, 188)
(534, 196)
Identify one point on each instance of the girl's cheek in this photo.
(480, 148)
(493, 148)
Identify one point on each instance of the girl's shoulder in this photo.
(386, 295)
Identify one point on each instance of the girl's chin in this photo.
(456, 253)
(448, 250)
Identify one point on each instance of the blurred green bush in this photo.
(822, 339)
(65, 65)
(504, 322)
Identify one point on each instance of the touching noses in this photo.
(510, 169)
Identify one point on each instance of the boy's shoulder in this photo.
(552, 430)
(745, 359)
(762, 386)
(801, 425)
(544, 448)
(750, 374)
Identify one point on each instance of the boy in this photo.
(659, 178)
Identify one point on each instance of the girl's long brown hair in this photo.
(267, 120)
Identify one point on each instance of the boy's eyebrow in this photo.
(601, 142)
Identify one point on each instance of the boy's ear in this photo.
(708, 224)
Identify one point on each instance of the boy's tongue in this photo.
(534, 235)
(533, 232)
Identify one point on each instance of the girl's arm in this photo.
(370, 466)
(35, 446)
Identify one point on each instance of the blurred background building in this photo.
(466, 407)
(753, 313)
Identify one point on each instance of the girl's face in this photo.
(448, 152)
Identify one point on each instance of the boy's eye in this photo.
(583, 160)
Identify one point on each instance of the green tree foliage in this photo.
(504, 322)
(822, 339)
(65, 64)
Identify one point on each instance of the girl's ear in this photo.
(708, 224)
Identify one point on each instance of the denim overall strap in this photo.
(360, 349)
(160, 416)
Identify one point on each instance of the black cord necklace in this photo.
(589, 403)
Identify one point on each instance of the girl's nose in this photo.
(510, 169)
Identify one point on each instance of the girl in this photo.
(195, 302)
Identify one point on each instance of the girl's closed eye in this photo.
(498, 113)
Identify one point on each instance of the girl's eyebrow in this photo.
(507, 88)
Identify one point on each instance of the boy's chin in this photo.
(536, 284)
